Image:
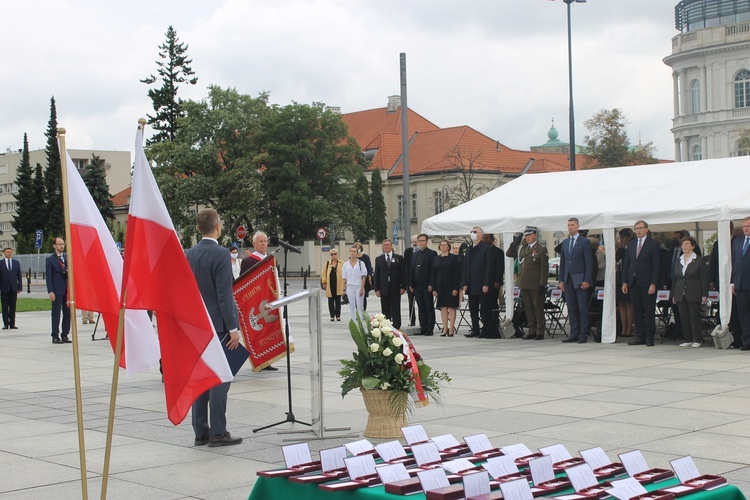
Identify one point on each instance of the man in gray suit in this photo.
(212, 268)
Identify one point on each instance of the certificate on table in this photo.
(357, 467)
(332, 458)
(360, 447)
(501, 466)
(581, 476)
(477, 483)
(414, 434)
(389, 473)
(516, 490)
(541, 469)
(685, 469)
(296, 454)
(433, 479)
(445, 441)
(625, 489)
(516, 450)
(595, 457)
(390, 450)
(633, 462)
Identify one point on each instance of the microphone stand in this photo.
(290, 414)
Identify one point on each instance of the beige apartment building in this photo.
(116, 164)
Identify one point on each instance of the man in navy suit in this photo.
(56, 272)
(11, 284)
(640, 276)
(576, 277)
(212, 267)
(741, 281)
(420, 275)
(477, 282)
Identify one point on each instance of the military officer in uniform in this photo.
(532, 278)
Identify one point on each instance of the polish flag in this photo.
(158, 277)
(98, 278)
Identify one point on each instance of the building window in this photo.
(400, 199)
(413, 213)
(697, 153)
(695, 96)
(742, 89)
(439, 202)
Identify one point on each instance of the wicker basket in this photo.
(386, 413)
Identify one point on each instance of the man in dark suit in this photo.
(212, 268)
(409, 294)
(477, 282)
(641, 270)
(389, 282)
(420, 274)
(56, 273)
(741, 281)
(576, 276)
(11, 284)
(496, 263)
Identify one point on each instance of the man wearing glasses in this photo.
(640, 275)
(478, 280)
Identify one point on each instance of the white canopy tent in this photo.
(706, 193)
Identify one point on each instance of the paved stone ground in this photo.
(664, 400)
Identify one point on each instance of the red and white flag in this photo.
(158, 277)
(98, 278)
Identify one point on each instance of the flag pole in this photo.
(72, 302)
(113, 396)
(115, 373)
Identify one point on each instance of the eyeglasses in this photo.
(334, 253)
(473, 232)
(641, 227)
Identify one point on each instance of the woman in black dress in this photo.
(623, 300)
(446, 281)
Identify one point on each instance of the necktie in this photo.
(388, 259)
(638, 250)
(7, 263)
(572, 241)
(744, 247)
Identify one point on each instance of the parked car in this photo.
(554, 264)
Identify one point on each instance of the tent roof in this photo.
(662, 194)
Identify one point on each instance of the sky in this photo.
(499, 66)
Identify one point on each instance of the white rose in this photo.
(380, 316)
(374, 347)
(387, 352)
(398, 341)
(386, 322)
(399, 358)
(376, 333)
(374, 322)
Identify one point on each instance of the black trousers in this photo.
(412, 311)
(743, 311)
(60, 306)
(334, 306)
(644, 312)
(390, 305)
(9, 300)
(426, 309)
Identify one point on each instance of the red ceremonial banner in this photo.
(262, 328)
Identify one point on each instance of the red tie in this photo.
(638, 250)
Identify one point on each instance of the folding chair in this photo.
(555, 312)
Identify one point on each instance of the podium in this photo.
(317, 426)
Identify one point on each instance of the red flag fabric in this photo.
(98, 278)
(158, 277)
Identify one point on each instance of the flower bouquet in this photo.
(386, 360)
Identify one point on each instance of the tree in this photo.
(465, 183)
(211, 161)
(310, 167)
(23, 220)
(743, 143)
(55, 216)
(609, 145)
(96, 181)
(174, 69)
(361, 226)
(379, 223)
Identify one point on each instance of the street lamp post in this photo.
(571, 114)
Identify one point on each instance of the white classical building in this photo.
(711, 77)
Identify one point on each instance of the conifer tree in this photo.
(377, 202)
(23, 220)
(95, 179)
(55, 218)
(174, 68)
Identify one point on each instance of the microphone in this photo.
(276, 241)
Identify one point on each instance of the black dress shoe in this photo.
(649, 343)
(637, 342)
(471, 335)
(539, 337)
(569, 340)
(270, 368)
(517, 336)
(745, 348)
(56, 340)
(14, 327)
(225, 439)
(5, 328)
(428, 334)
(582, 341)
(201, 440)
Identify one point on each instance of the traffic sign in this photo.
(38, 238)
(321, 232)
(395, 232)
(241, 232)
